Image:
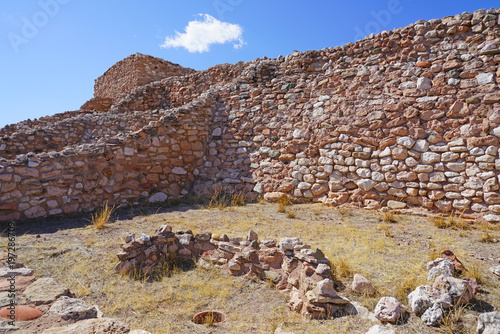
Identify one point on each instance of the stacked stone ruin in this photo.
(290, 265)
(405, 118)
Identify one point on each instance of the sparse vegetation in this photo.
(486, 237)
(341, 267)
(474, 271)
(389, 217)
(453, 321)
(283, 202)
(101, 217)
(222, 200)
(344, 211)
(386, 230)
(453, 221)
(166, 304)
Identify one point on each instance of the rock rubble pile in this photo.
(290, 265)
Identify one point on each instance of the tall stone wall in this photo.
(129, 73)
(409, 117)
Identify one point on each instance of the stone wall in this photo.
(409, 117)
(59, 131)
(149, 165)
(127, 74)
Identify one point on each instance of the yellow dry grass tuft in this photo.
(474, 271)
(283, 202)
(389, 217)
(452, 322)
(453, 221)
(344, 211)
(101, 217)
(341, 267)
(222, 200)
(386, 230)
(486, 237)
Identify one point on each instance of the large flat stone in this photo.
(92, 326)
(45, 290)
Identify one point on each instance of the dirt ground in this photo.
(390, 249)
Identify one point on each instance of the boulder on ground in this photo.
(457, 289)
(440, 267)
(92, 326)
(388, 309)
(488, 323)
(360, 284)
(425, 296)
(378, 329)
(433, 315)
(495, 270)
(45, 291)
(73, 308)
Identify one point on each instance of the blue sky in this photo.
(52, 50)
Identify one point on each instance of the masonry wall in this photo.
(57, 132)
(129, 73)
(409, 117)
(149, 165)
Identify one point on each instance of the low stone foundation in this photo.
(290, 264)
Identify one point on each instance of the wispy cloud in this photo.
(200, 34)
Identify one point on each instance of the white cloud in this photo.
(199, 35)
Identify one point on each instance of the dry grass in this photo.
(453, 221)
(283, 202)
(453, 321)
(101, 217)
(344, 211)
(386, 230)
(356, 244)
(341, 267)
(486, 237)
(389, 217)
(474, 271)
(222, 200)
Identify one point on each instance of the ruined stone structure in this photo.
(290, 265)
(409, 117)
(128, 74)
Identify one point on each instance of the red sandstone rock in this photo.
(12, 206)
(423, 64)
(458, 266)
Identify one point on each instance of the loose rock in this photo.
(388, 309)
